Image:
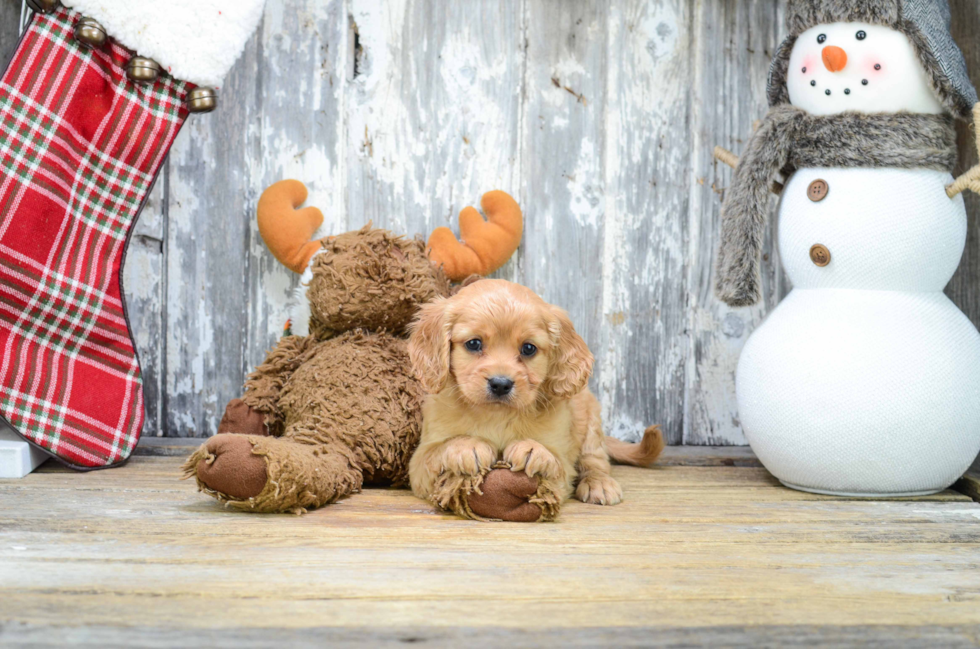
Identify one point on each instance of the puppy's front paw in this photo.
(533, 459)
(467, 456)
(599, 490)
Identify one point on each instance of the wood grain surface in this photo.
(599, 115)
(694, 555)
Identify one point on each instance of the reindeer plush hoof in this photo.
(505, 497)
(240, 419)
(226, 465)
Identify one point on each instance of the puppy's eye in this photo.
(474, 345)
(861, 35)
(822, 38)
(528, 350)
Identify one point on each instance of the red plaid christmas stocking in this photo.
(80, 147)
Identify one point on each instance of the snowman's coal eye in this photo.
(861, 35)
(822, 38)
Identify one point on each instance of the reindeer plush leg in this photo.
(297, 476)
(232, 471)
(263, 386)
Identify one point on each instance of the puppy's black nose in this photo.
(500, 386)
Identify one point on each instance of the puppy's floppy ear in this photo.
(429, 345)
(571, 360)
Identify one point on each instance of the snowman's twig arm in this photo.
(971, 179)
(724, 155)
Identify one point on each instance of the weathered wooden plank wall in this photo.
(600, 115)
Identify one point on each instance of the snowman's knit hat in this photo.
(925, 22)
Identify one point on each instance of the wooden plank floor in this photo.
(718, 555)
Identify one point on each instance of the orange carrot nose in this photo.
(834, 58)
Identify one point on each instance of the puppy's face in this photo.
(501, 345)
(500, 351)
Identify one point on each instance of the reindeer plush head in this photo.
(370, 278)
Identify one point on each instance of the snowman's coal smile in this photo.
(847, 90)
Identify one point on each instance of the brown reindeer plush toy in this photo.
(337, 406)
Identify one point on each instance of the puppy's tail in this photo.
(642, 454)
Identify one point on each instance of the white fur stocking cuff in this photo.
(194, 40)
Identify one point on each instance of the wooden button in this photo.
(819, 255)
(818, 190)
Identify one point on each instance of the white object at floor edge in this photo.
(17, 457)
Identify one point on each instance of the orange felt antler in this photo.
(285, 229)
(486, 245)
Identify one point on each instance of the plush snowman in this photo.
(865, 380)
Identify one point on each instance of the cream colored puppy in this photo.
(507, 377)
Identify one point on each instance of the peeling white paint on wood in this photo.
(563, 151)
(298, 133)
(645, 341)
(600, 115)
(143, 283)
(732, 45)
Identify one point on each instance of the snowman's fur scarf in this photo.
(804, 14)
(790, 138)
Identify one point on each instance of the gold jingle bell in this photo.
(90, 33)
(43, 6)
(202, 100)
(142, 70)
